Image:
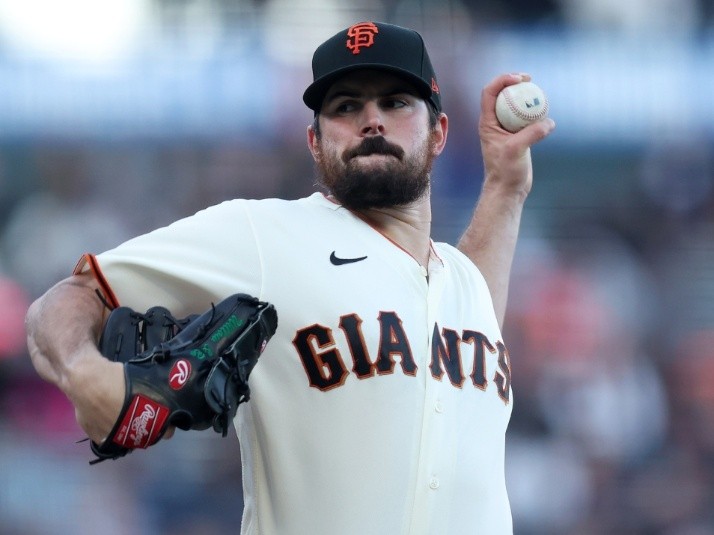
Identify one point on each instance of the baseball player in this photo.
(381, 404)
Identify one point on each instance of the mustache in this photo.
(373, 145)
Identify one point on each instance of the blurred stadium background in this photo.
(117, 117)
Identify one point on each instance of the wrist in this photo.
(497, 190)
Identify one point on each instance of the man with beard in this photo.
(380, 405)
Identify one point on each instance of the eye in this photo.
(345, 106)
(395, 102)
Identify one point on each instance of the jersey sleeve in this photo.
(184, 266)
(470, 282)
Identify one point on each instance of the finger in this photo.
(535, 132)
(169, 432)
(494, 87)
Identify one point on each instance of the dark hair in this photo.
(433, 119)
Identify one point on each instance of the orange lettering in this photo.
(361, 36)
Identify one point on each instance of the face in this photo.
(375, 147)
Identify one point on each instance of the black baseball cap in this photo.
(372, 45)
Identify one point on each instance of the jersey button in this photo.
(434, 483)
(439, 407)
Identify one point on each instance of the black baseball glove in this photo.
(191, 373)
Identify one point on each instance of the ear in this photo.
(440, 132)
(313, 143)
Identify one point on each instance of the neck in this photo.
(407, 226)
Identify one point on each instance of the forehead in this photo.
(370, 81)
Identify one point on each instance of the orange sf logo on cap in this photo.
(361, 36)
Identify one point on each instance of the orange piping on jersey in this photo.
(436, 255)
(431, 242)
(91, 260)
(365, 220)
(331, 199)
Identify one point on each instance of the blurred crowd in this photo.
(610, 323)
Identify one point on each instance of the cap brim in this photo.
(315, 93)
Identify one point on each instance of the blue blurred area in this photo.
(610, 324)
(604, 89)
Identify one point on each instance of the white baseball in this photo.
(519, 105)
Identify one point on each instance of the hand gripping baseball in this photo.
(191, 373)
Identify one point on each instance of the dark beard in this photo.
(399, 182)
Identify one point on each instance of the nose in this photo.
(373, 123)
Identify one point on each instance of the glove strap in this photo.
(142, 425)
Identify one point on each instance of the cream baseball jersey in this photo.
(381, 404)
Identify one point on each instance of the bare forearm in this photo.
(60, 325)
(490, 241)
(63, 328)
(490, 238)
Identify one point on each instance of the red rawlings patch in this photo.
(179, 374)
(142, 424)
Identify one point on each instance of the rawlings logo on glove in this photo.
(142, 423)
(191, 373)
(179, 374)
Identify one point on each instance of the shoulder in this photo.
(448, 252)
(457, 261)
(316, 202)
(236, 209)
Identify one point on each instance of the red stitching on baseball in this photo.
(525, 115)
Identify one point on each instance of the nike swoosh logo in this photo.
(337, 261)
